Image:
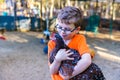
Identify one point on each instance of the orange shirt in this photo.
(78, 43)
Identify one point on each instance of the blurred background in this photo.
(39, 15)
(25, 26)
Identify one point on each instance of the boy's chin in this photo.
(66, 38)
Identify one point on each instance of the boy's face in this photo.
(66, 31)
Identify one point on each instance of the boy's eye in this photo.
(65, 29)
(59, 27)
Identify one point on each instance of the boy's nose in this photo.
(63, 31)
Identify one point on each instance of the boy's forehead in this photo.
(65, 24)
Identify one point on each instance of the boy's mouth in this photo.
(63, 36)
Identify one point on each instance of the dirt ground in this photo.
(22, 57)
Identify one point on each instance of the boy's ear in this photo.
(78, 28)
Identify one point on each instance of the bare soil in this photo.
(22, 57)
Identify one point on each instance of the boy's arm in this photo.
(82, 64)
(85, 60)
(54, 67)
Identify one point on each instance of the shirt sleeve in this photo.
(51, 45)
(82, 46)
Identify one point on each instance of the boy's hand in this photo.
(62, 54)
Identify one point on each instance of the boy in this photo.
(68, 25)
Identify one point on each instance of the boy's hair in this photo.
(70, 15)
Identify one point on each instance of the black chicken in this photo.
(93, 72)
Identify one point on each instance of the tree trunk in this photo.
(52, 8)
